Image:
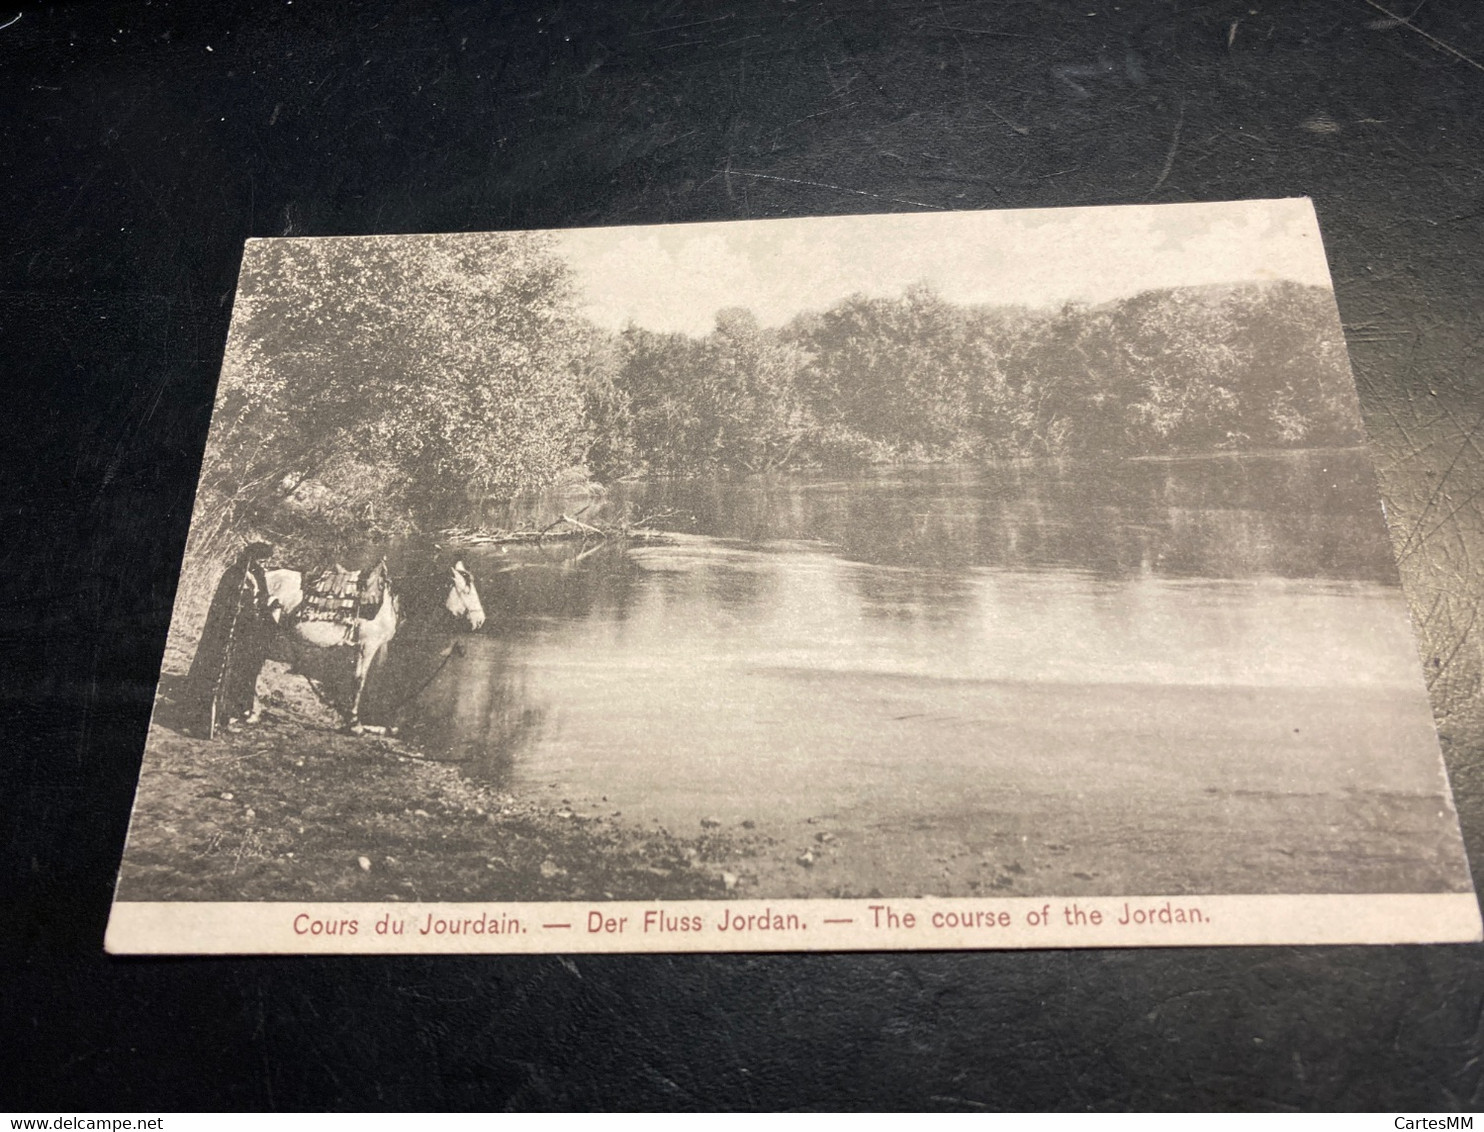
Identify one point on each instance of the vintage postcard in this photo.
(961, 580)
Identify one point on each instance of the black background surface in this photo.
(141, 143)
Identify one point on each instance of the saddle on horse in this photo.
(343, 596)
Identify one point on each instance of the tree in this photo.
(609, 449)
(1297, 387)
(749, 382)
(891, 369)
(395, 375)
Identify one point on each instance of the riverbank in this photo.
(296, 809)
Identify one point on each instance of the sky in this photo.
(676, 277)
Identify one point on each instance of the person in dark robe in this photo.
(234, 644)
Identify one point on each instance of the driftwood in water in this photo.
(571, 528)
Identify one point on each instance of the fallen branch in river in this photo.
(581, 526)
(571, 528)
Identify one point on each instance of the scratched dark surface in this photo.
(141, 143)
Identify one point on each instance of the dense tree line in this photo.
(382, 384)
(916, 377)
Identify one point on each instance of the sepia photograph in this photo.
(962, 579)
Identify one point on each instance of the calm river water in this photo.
(1175, 659)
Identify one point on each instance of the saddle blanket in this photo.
(342, 595)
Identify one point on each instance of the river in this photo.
(1198, 672)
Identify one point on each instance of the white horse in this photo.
(365, 640)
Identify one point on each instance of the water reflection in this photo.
(938, 639)
(465, 702)
(1309, 514)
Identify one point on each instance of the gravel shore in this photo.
(294, 808)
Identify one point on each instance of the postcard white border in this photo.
(916, 924)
